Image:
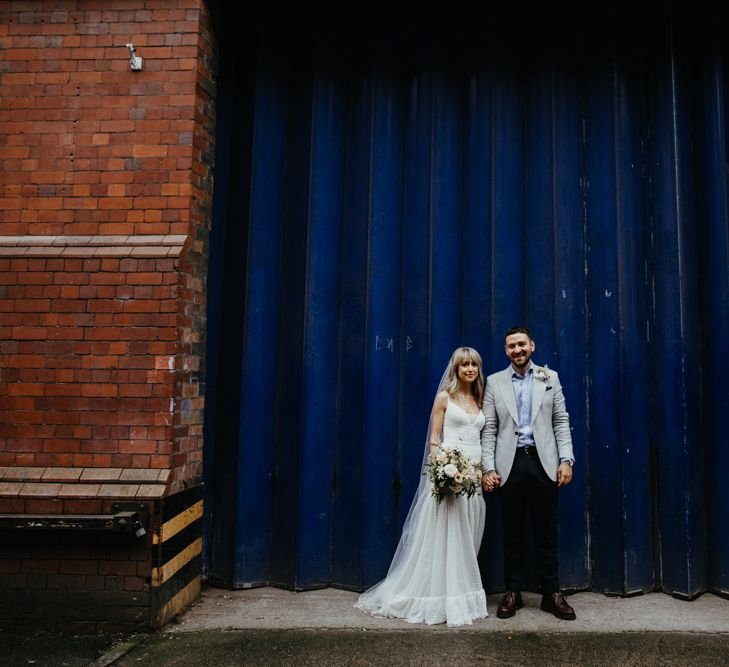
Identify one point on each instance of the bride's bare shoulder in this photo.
(441, 399)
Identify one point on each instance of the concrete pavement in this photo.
(275, 609)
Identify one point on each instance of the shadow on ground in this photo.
(324, 647)
(42, 649)
(357, 647)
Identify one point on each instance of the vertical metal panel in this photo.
(219, 528)
(676, 342)
(604, 325)
(349, 489)
(538, 239)
(476, 243)
(714, 303)
(416, 381)
(318, 396)
(446, 257)
(631, 243)
(383, 326)
(290, 378)
(617, 328)
(507, 214)
(570, 321)
(261, 258)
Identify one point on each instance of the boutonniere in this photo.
(541, 373)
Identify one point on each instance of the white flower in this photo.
(541, 373)
(450, 470)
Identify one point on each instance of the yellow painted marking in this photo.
(178, 603)
(163, 573)
(177, 523)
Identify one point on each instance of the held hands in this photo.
(490, 481)
(564, 474)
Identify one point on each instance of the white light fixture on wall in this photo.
(135, 62)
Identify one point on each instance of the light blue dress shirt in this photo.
(523, 394)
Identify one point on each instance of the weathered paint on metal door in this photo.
(379, 202)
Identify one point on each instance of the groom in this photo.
(527, 453)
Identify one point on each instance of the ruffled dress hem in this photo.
(455, 611)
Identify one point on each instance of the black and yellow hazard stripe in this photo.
(176, 554)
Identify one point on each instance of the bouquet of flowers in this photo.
(452, 473)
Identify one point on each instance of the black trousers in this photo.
(529, 487)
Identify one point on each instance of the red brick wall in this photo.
(105, 206)
(88, 345)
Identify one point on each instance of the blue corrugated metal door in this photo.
(379, 202)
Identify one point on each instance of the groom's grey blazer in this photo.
(550, 422)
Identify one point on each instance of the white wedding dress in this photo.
(436, 578)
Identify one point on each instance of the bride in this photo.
(434, 575)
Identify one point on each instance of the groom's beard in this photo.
(522, 362)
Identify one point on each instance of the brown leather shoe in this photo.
(557, 604)
(511, 602)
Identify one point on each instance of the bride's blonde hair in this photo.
(460, 356)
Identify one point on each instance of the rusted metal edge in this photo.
(120, 522)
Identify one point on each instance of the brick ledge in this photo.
(139, 245)
(39, 482)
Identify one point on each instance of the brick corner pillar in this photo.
(104, 217)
